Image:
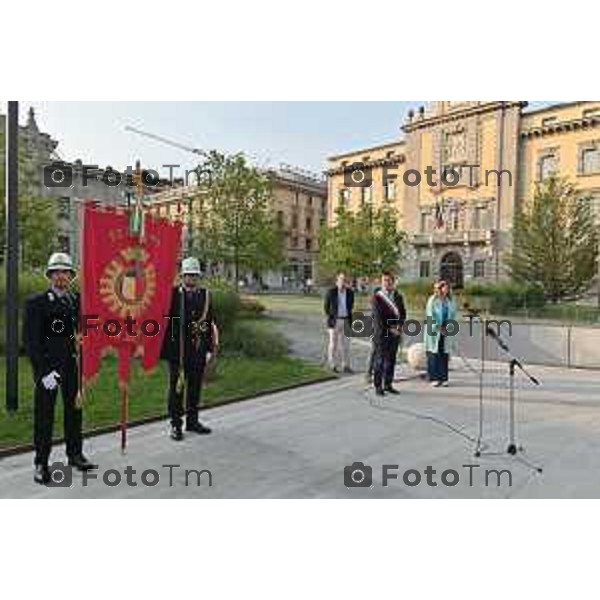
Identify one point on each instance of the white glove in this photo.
(50, 381)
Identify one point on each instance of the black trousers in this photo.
(44, 402)
(437, 363)
(194, 374)
(386, 350)
(371, 359)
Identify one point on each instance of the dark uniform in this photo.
(385, 341)
(49, 327)
(197, 329)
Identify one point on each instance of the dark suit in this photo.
(49, 326)
(198, 340)
(331, 305)
(385, 341)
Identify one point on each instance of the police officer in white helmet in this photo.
(50, 327)
(189, 343)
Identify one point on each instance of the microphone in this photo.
(472, 313)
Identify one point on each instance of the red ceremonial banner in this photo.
(126, 288)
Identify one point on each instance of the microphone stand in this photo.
(513, 363)
(475, 314)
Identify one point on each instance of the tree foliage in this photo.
(555, 243)
(363, 242)
(37, 216)
(236, 226)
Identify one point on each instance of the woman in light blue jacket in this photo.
(441, 308)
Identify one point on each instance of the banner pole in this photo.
(124, 418)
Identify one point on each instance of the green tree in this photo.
(555, 241)
(236, 226)
(37, 216)
(363, 243)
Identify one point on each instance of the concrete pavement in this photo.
(296, 444)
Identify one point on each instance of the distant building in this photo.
(41, 152)
(299, 207)
(464, 231)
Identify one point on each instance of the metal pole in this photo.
(12, 257)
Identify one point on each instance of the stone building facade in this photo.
(298, 206)
(460, 171)
(38, 151)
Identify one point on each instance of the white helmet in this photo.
(59, 261)
(190, 266)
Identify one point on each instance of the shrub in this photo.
(226, 304)
(505, 297)
(251, 307)
(254, 340)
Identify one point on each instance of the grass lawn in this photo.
(236, 377)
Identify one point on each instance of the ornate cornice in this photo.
(423, 123)
(392, 161)
(561, 127)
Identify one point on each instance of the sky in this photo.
(302, 134)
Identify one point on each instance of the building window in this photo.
(366, 194)
(389, 189)
(297, 199)
(453, 219)
(294, 242)
(480, 217)
(345, 197)
(308, 224)
(424, 269)
(308, 244)
(548, 166)
(589, 160)
(64, 243)
(591, 112)
(294, 220)
(310, 198)
(64, 208)
(478, 269)
(280, 221)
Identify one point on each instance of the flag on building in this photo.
(439, 216)
(125, 278)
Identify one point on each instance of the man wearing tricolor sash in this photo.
(389, 315)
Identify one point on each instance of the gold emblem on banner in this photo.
(128, 284)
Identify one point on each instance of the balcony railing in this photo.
(469, 236)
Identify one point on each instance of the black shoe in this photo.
(198, 428)
(42, 474)
(81, 463)
(176, 433)
(391, 390)
(379, 391)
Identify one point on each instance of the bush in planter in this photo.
(253, 340)
(504, 297)
(226, 304)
